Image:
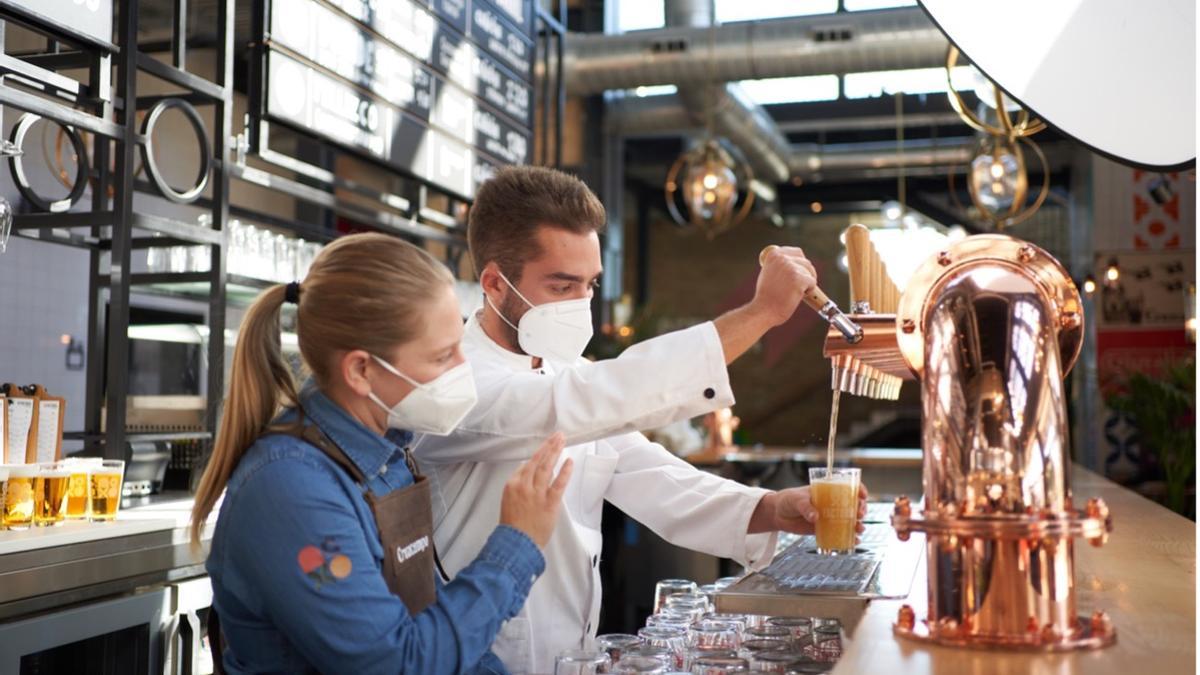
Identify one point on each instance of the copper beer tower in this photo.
(989, 327)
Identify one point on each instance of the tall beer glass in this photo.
(835, 496)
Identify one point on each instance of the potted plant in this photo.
(1164, 411)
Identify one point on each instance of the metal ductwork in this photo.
(680, 54)
(814, 45)
(811, 159)
(746, 125)
(665, 115)
(734, 115)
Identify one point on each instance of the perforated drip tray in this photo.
(801, 568)
(802, 582)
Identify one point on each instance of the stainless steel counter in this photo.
(44, 568)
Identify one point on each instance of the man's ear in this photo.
(491, 281)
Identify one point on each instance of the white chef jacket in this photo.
(599, 407)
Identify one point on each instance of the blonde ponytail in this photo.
(260, 380)
(363, 291)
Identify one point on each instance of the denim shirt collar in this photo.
(369, 451)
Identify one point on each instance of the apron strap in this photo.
(215, 644)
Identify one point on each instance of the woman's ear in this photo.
(353, 368)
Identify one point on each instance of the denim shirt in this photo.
(296, 565)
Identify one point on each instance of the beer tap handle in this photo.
(827, 308)
(858, 255)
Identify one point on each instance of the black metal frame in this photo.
(551, 41)
(32, 83)
(110, 230)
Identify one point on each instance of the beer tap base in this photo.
(1085, 634)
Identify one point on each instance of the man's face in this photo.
(568, 268)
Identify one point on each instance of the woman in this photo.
(322, 555)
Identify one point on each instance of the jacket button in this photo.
(710, 393)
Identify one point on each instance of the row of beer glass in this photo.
(47, 493)
(686, 635)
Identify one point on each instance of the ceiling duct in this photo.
(812, 45)
(734, 115)
(668, 115)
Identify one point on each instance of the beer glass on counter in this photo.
(616, 644)
(631, 665)
(668, 587)
(835, 496)
(3, 491)
(19, 496)
(78, 495)
(581, 662)
(50, 493)
(104, 488)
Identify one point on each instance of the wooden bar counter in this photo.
(1144, 577)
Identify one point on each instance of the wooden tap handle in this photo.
(858, 255)
(815, 298)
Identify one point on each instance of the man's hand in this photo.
(786, 277)
(792, 510)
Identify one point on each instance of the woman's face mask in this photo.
(558, 331)
(437, 406)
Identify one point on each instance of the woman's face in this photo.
(435, 350)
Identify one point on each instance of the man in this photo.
(533, 235)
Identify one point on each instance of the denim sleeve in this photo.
(300, 547)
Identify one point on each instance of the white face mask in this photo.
(558, 331)
(435, 407)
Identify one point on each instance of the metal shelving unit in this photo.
(102, 219)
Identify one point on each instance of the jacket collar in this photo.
(476, 336)
(368, 450)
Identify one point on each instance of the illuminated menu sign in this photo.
(405, 82)
(88, 18)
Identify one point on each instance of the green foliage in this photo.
(1164, 411)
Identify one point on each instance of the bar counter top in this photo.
(1144, 577)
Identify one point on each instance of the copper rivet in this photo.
(908, 326)
(1101, 625)
(903, 506)
(1025, 253)
(1050, 633)
(1031, 626)
(907, 618)
(948, 626)
(944, 258)
(1071, 320)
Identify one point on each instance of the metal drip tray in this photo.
(801, 582)
(800, 569)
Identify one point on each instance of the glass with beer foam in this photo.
(79, 499)
(835, 496)
(104, 488)
(50, 493)
(18, 498)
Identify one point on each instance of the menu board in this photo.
(88, 18)
(407, 83)
(20, 422)
(49, 430)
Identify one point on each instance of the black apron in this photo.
(404, 518)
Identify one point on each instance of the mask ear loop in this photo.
(498, 312)
(510, 285)
(391, 369)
